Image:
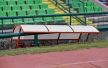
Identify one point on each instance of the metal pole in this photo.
(58, 38)
(70, 13)
(2, 26)
(79, 37)
(56, 2)
(36, 40)
(70, 20)
(85, 20)
(87, 37)
(84, 12)
(18, 41)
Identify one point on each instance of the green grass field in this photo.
(56, 48)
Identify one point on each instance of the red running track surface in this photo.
(86, 58)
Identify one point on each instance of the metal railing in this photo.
(56, 2)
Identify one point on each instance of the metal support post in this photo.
(36, 40)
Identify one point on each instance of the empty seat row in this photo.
(12, 2)
(89, 9)
(38, 20)
(10, 8)
(27, 13)
(80, 4)
(83, 6)
(23, 7)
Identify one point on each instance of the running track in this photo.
(87, 58)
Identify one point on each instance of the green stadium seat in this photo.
(28, 20)
(97, 9)
(30, 2)
(11, 3)
(41, 12)
(89, 9)
(3, 13)
(11, 13)
(15, 8)
(58, 19)
(20, 2)
(35, 7)
(71, 1)
(25, 7)
(78, 5)
(1, 9)
(1, 0)
(68, 2)
(31, 12)
(44, 6)
(21, 13)
(81, 4)
(38, 20)
(88, 3)
(0, 21)
(37, 1)
(75, 5)
(7, 21)
(2, 3)
(6, 8)
(50, 11)
(18, 21)
(48, 19)
(81, 10)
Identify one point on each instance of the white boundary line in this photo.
(81, 62)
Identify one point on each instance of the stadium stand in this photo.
(60, 13)
(25, 7)
(90, 6)
(83, 6)
(9, 8)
